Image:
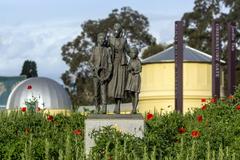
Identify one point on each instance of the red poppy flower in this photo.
(230, 97)
(238, 107)
(149, 116)
(195, 134)
(181, 130)
(50, 118)
(23, 109)
(204, 107)
(199, 118)
(29, 87)
(203, 100)
(213, 100)
(77, 132)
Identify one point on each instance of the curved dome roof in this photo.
(49, 93)
(189, 55)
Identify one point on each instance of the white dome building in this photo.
(50, 95)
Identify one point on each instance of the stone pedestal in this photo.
(127, 123)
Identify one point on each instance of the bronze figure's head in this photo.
(134, 52)
(117, 30)
(101, 38)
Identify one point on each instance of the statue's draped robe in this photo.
(134, 79)
(117, 84)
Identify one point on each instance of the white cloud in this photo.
(41, 43)
(163, 30)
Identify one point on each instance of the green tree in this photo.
(233, 16)
(29, 69)
(76, 53)
(153, 49)
(198, 24)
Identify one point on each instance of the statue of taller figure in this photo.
(101, 64)
(120, 50)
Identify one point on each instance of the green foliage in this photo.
(29, 69)
(237, 94)
(211, 132)
(31, 104)
(217, 124)
(198, 22)
(30, 135)
(118, 144)
(161, 131)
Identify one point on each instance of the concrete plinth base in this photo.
(127, 123)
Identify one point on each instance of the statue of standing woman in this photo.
(120, 50)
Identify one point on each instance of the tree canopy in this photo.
(29, 69)
(153, 49)
(198, 22)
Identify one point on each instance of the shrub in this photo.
(25, 134)
(210, 132)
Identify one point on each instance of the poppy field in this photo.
(210, 132)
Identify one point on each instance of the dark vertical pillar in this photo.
(231, 58)
(216, 49)
(178, 44)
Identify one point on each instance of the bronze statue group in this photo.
(113, 74)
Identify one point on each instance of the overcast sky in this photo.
(36, 29)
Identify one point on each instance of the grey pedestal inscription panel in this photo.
(127, 123)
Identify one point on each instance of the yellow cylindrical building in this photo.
(158, 80)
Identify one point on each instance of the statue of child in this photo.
(134, 80)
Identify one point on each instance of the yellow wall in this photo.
(158, 86)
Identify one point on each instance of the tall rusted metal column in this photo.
(216, 50)
(231, 58)
(178, 44)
